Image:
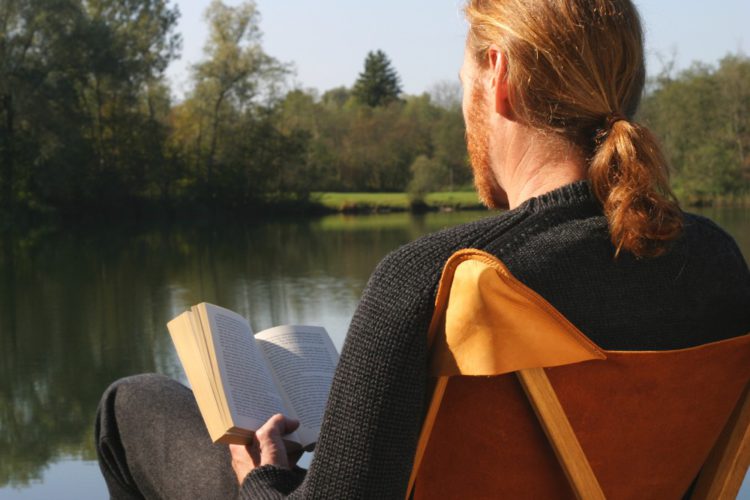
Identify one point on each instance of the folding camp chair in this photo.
(614, 424)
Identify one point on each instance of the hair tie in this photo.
(609, 122)
(612, 119)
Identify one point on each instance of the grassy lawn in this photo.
(340, 201)
(395, 201)
(456, 199)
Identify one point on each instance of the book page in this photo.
(203, 341)
(304, 360)
(247, 382)
(198, 374)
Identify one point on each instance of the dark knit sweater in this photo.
(558, 245)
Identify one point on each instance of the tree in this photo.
(74, 74)
(337, 96)
(235, 70)
(428, 175)
(700, 115)
(378, 84)
(734, 81)
(447, 94)
(448, 137)
(39, 61)
(130, 44)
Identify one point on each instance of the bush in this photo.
(427, 175)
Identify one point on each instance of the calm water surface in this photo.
(80, 309)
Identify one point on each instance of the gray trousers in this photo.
(152, 443)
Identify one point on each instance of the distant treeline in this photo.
(88, 121)
(702, 117)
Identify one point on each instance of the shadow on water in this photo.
(80, 308)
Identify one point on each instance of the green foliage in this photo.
(363, 202)
(378, 84)
(383, 202)
(87, 123)
(448, 134)
(75, 82)
(702, 117)
(354, 147)
(235, 73)
(428, 175)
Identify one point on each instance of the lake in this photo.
(81, 308)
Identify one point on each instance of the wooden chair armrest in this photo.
(726, 466)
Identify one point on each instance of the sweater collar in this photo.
(571, 195)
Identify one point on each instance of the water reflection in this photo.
(736, 221)
(79, 309)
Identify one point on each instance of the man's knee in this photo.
(148, 432)
(134, 384)
(119, 406)
(132, 397)
(144, 384)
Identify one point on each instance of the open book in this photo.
(240, 380)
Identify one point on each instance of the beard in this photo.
(478, 145)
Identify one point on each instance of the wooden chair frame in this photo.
(724, 469)
(721, 476)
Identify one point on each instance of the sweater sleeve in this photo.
(377, 400)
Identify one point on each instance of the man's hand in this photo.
(267, 447)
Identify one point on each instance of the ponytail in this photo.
(570, 64)
(629, 177)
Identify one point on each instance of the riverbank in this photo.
(728, 200)
(355, 203)
(139, 212)
(396, 202)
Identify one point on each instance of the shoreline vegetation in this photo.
(728, 200)
(202, 212)
(317, 204)
(90, 128)
(367, 203)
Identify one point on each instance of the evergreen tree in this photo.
(379, 83)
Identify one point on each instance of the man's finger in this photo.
(268, 437)
(274, 427)
(278, 425)
(291, 425)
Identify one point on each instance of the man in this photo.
(551, 88)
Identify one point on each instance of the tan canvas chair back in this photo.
(526, 406)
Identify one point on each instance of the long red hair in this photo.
(576, 69)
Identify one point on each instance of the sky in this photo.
(327, 40)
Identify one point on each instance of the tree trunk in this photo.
(8, 158)
(99, 126)
(214, 139)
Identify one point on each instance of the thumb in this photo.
(290, 425)
(268, 439)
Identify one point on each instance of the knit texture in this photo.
(557, 244)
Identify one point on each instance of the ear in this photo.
(498, 67)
